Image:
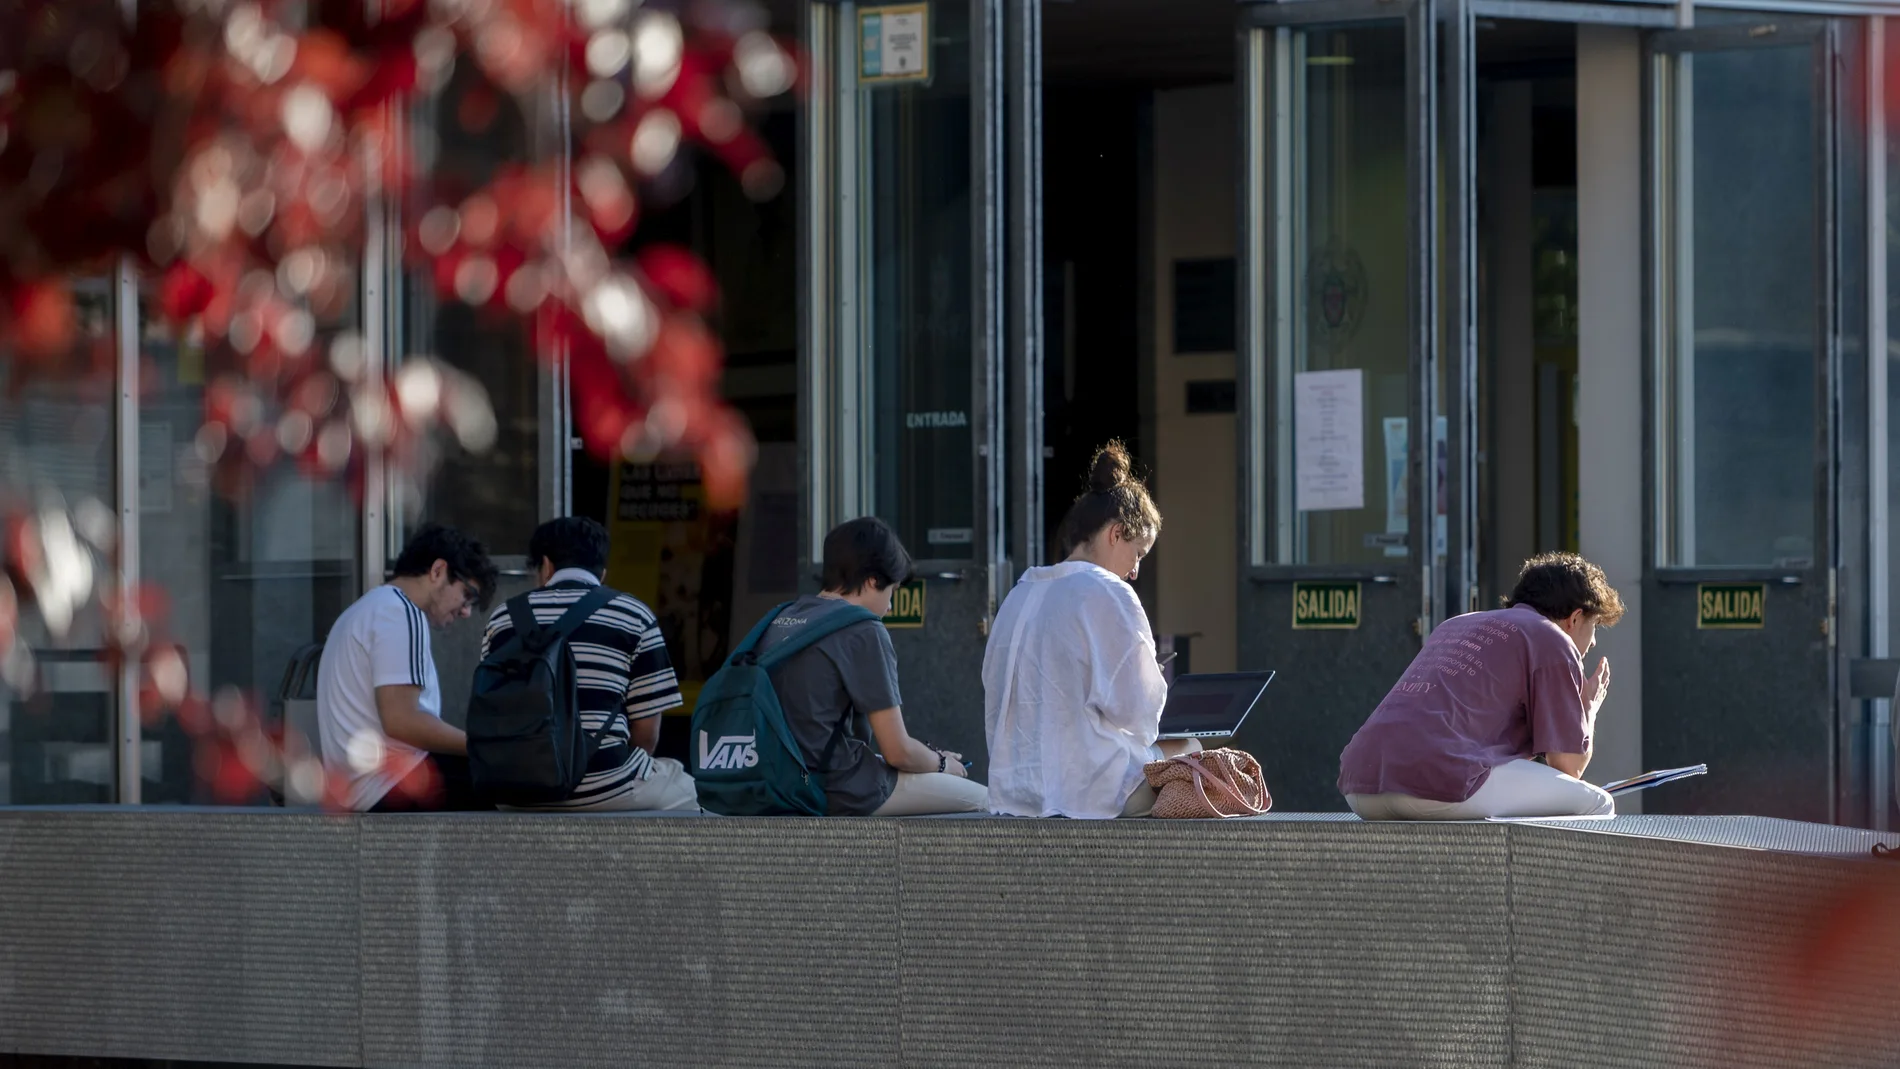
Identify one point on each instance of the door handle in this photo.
(1385, 578)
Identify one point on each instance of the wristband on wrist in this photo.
(943, 760)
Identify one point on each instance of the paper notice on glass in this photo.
(1398, 507)
(1439, 431)
(1329, 440)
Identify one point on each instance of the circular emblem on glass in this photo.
(1336, 285)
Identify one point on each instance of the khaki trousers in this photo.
(922, 793)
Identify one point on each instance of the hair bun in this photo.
(1111, 467)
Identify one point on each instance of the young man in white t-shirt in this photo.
(379, 704)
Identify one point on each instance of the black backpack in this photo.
(526, 742)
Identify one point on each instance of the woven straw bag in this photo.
(1211, 783)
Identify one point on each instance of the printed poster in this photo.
(676, 555)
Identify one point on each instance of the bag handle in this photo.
(751, 640)
(576, 615)
(838, 620)
(847, 616)
(1246, 808)
(1201, 774)
(533, 637)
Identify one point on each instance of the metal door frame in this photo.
(1669, 271)
(836, 369)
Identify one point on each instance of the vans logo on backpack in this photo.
(731, 751)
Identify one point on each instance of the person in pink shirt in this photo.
(1495, 716)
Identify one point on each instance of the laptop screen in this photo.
(1199, 704)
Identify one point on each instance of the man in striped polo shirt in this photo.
(623, 676)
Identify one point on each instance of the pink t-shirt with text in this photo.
(1487, 689)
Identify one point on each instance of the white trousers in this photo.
(922, 793)
(1521, 788)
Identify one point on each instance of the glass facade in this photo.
(58, 701)
(252, 576)
(251, 573)
(251, 564)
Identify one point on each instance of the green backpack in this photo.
(746, 762)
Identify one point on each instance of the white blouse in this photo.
(1072, 695)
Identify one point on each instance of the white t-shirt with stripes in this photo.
(381, 641)
(622, 674)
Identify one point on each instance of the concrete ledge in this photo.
(597, 940)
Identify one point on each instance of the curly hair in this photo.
(1558, 584)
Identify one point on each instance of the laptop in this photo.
(1211, 705)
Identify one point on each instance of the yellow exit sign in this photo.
(1731, 606)
(1325, 606)
(907, 606)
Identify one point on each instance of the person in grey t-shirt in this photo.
(877, 768)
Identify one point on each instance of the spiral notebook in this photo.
(1656, 778)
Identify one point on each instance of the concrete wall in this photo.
(1195, 478)
(1610, 368)
(478, 940)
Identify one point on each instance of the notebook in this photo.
(1656, 778)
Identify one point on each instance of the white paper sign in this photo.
(1329, 448)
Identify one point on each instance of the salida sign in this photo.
(907, 605)
(1731, 606)
(1325, 606)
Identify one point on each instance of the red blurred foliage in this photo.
(231, 151)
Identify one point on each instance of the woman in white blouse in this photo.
(1072, 694)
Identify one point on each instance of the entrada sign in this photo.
(1731, 606)
(1325, 606)
(907, 605)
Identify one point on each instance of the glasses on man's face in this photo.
(470, 595)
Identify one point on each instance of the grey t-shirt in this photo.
(851, 673)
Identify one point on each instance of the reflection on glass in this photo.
(1345, 472)
(250, 577)
(1745, 468)
(468, 132)
(1891, 349)
(918, 239)
(1554, 319)
(56, 435)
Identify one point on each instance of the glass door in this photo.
(1345, 435)
(1740, 615)
(902, 350)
